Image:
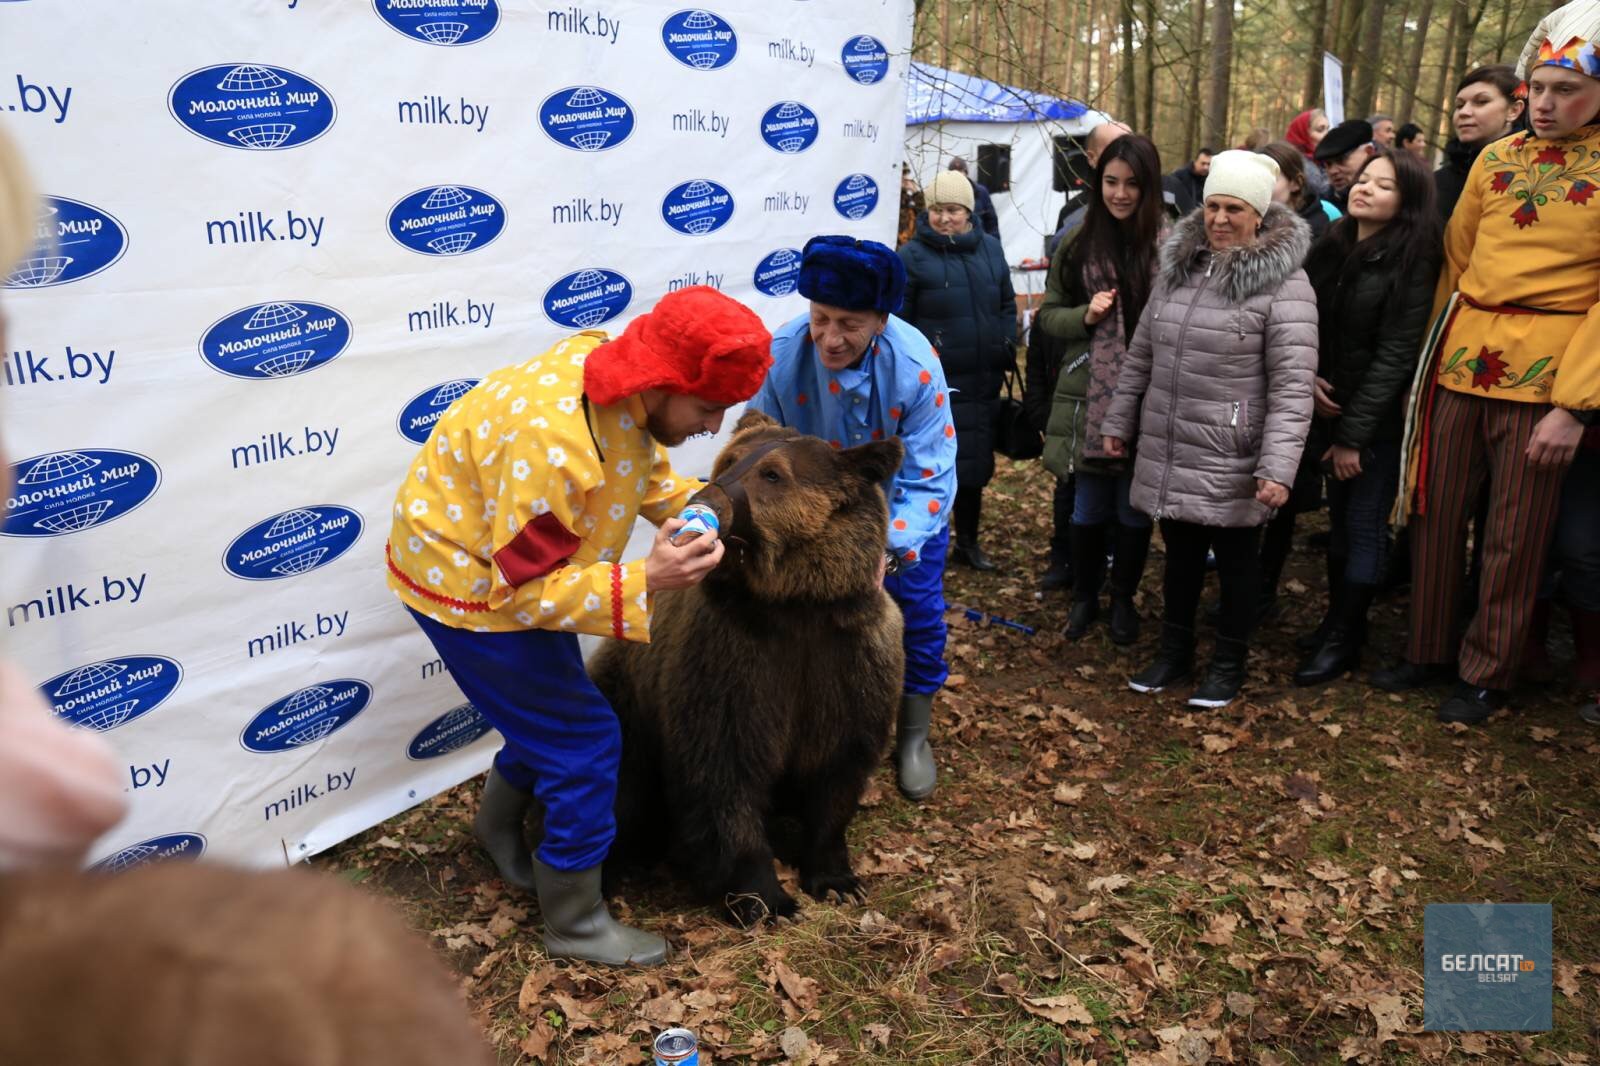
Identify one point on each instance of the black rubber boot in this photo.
(1340, 650)
(1133, 547)
(1174, 661)
(1225, 677)
(500, 826)
(578, 926)
(914, 769)
(1088, 576)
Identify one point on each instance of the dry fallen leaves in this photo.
(1065, 1009)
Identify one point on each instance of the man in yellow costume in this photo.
(507, 542)
(1511, 376)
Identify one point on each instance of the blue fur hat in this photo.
(855, 275)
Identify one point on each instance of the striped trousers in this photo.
(1473, 438)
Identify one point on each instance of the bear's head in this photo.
(803, 521)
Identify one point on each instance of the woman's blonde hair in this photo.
(19, 209)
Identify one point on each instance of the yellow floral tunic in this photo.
(517, 509)
(1524, 241)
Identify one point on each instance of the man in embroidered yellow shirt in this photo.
(1511, 375)
(507, 542)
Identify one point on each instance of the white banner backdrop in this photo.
(279, 238)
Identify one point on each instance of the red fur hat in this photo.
(695, 342)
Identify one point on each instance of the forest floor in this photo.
(1100, 877)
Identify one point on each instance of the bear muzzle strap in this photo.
(741, 531)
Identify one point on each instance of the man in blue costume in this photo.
(850, 372)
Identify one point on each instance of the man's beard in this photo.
(664, 436)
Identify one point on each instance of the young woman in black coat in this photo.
(1374, 273)
(958, 293)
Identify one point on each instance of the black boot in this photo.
(967, 551)
(1089, 574)
(1340, 650)
(1059, 577)
(1225, 677)
(1133, 546)
(1306, 643)
(1174, 661)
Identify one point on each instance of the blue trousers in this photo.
(1358, 513)
(1099, 495)
(562, 739)
(920, 593)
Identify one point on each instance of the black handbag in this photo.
(1014, 434)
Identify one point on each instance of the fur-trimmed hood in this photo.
(1240, 272)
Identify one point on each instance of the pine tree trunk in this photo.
(1128, 99)
(1192, 105)
(1147, 124)
(944, 34)
(1216, 127)
(1413, 67)
(1071, 73)
(1443, 85)
(1370, 60)
(1319, 44)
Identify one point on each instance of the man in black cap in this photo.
(1341, 153)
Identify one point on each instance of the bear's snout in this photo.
(713, 497)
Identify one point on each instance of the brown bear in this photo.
(768, 691)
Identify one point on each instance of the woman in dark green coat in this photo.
(958, 293)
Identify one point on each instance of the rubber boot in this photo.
(969, 552)
(914, 769)
(1174, 661)
(1133, 547)
(1225, 677)
(578, 926)
(500, 825)
(1586, 645)
(1340, 650)
(1088, 576)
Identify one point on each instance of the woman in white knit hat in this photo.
(1508, 385)
(958, 293)
(1217, 390)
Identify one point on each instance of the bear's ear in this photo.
(875, 462)
(753, 419)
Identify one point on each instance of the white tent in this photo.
(950, 114)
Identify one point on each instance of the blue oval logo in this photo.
(586, 298)
(72, 241)
(446, 220)
(450, 732)
(275, 340)
(65, 492)
(789, 127)
(586, 118)
(428, 406)
(779, 273)
(306, 716)
(865, 59)
(447, 23)
(252, 106)
(697, 207)
(294, 542)
(174, 847)
(855, 196)
(699, 39)
(112, 692)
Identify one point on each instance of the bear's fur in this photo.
(769, 690)
(174, 963)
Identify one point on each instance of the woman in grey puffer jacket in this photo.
(1217, 388)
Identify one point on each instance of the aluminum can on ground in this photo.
(677, 1047)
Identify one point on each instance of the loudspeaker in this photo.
(1069, 168)
(994, 167)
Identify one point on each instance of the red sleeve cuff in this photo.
(543, 545)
